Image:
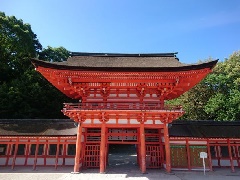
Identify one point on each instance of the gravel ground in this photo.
(121, 166)
(121, 173)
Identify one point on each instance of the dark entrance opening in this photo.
(122, 156)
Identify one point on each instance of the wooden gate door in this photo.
(92, 156)
(91, 151)
(154, 148)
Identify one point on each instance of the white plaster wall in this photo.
(19, 161)
(69, 161)
(10, 161)
(40, 161)
(2, 161)
(50, 161)
(224, 162)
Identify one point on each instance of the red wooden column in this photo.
(167, 148)
(142, 148)
(57, 152)
(188, 154)
(36, 154)
(9, 147)
(103, 148)
(230, 155)
(78, 149)
(209, 155)
(15, 153)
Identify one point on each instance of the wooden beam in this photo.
(27, 152)
(230, 155)
(142, 148)
(46, 147)
(167, 148)
(15, 154)
(209, 155)
(9, 148)
(64, 151)
(57, 153)
(78, 149)
(103, 148)
(237, 154)
(188, 154)
(36, 154)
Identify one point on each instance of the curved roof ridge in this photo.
(173, 54)
(131, 64)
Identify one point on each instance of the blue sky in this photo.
(196, 29)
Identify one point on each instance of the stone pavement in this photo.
(121, 173)
(122, 166)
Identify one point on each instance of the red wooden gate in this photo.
(154, 148)
(92, 156)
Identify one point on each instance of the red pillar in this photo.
(230, 155)
(103, 148)
(188, 154)
(142, 148)
(209, 156)
(167, 148)
(36, 155)
(57, 153)
(78, 149)
(15, 154)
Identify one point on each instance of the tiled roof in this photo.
(104, 61)
(205, 129)
(67, 127)
(37, 127)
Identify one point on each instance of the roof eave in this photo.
(46, 64)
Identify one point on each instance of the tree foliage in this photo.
(217, 97)
(17, 44)
(224, 104)
(24, 93)
(54, 54)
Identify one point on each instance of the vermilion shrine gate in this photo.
(122, 101)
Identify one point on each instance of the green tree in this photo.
(54, 54)
(224, 104)
(217, 97)
(18, 44)
(24, 93)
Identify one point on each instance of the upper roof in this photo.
(122, 62)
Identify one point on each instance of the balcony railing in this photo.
(121, 106)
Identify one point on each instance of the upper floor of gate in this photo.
(104, 77)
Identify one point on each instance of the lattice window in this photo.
(122, 134)
(93, 135)
(152, 135)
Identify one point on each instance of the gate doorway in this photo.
(122, 148)
(122, 156)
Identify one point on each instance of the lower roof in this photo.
(205, 129)
(67, 127)
(37, 127)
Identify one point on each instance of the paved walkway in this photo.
(121, 173)
(121, 167)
